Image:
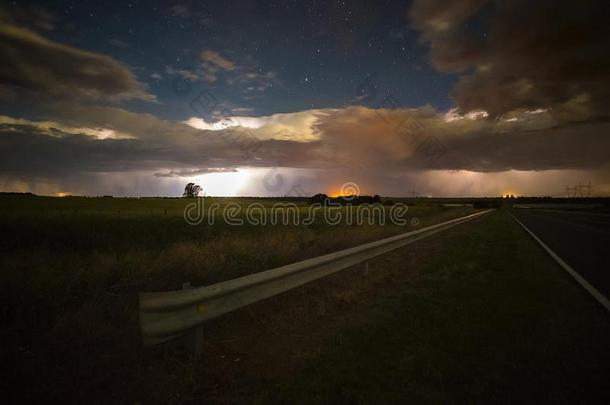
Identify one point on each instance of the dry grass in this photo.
(71, 274)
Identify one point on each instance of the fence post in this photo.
(193, 339)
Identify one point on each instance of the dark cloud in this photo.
(421, 139)
(195, 172)
(168, 149)
(519, 55)
(104, 139)
(379, 149)
(27, 150)
(37, 65)
(29, 15)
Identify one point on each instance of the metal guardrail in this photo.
(168, 315)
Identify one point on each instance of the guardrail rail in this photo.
(168, 315)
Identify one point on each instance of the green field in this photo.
(477, 313)
(72, 267)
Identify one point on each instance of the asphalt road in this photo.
(581, 239)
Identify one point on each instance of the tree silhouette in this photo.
(191, 190)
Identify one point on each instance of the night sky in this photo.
(297, 97)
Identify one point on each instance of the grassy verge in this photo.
(489, 319)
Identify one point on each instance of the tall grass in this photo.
(71, 268)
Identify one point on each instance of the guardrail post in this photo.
(193, 339)
(366, 268)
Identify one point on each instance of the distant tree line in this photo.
(16, 193)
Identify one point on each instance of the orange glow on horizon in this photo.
(337, 194)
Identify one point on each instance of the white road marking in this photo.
(584, 283)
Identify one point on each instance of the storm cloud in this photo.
(36, 65)
(355, 138)
(531, 54)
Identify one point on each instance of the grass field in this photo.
(477, 313)
(72, 267)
